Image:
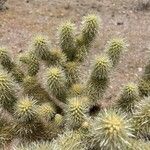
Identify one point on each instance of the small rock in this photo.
(20, 51)
(119, 23)
(113, 14)
(61, 14)
(67, 6)
(123, 12)
(111, 87)
(140, 69)
(51, 15)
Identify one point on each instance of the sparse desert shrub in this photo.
(53, 108)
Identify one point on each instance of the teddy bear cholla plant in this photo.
(55, 109)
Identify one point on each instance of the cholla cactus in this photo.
(27, 126)
(139, 145)
(144, 82)
(10, 66)
(46, 111)
(32, 62)
(72, 72)
(141, 117)
(25, 109)
(58, 106)
(17, 73)
(99, 78)
(114, 49)
(89, 29)
(5, 60)
(7, 92)
(101, 68)
(34, 89)
(81, 53)
(56, 81)
(128, 97)
(6, 132)
(57, 58)
(67, 39)
(58, 120)
(76, 89)
(111, 130)
(76, 111)
(41, 47)
(38, 146)
(144, 87)
(70, 140)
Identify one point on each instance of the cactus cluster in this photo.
(48, 105)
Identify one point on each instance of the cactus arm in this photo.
(57, 102)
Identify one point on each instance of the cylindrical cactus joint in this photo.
(81, 53)
(41, 47)
(33, 64)
(17, 73)
(99, 78)
(46, 111)
(71, 70)
(33, 88)
(67, 39)
(56, 82)
(101, 68)
(76, 89)
(114, 49)
(5, 59)
(128, 97)
(7, 92)
(144, 87)
(58, 120)
(76, 111)
(89, 29)
(141, 117)
(57, 58)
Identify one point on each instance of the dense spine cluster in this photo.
(111, 130)
(141, 118)
(67, 40)
(7, 92)
(128, 98)
(99, 78)
(114, 49)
